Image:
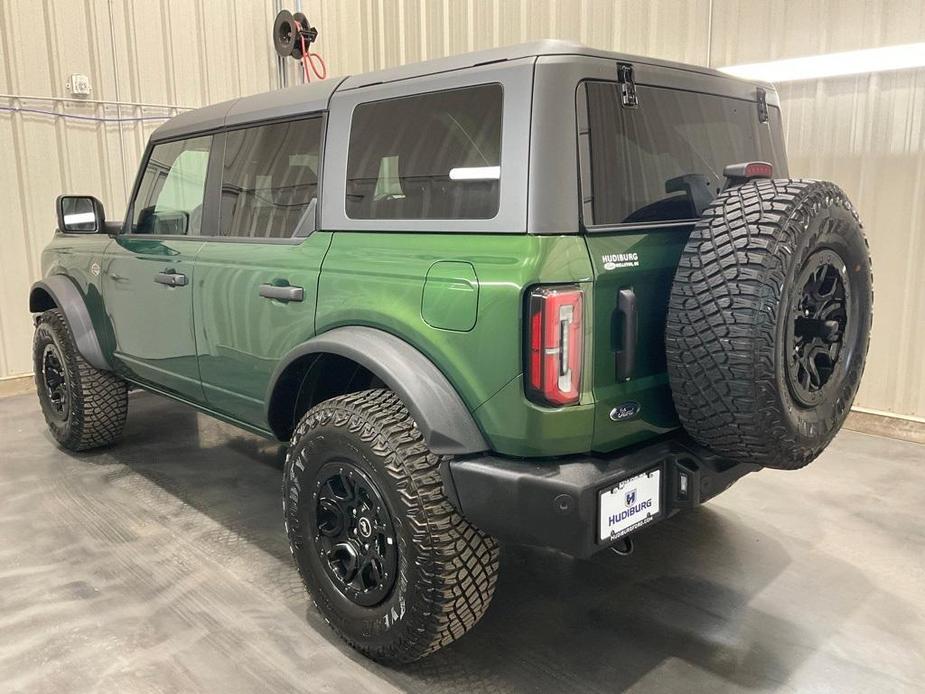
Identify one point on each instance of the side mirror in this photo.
(80, 214)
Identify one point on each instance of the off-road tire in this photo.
(98, 400)
(447, 568)
(731, 303)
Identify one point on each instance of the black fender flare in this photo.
(68, 298)
(441, 415)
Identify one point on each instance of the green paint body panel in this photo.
(74, 256)
(377, 279)
(515, 426)
(451, 296)
(457, 298)
(154, 340)
(657, 252)
(240, 335)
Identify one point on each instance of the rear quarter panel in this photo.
(377, 280)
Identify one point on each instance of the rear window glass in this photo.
(650, 164)
(428, 156)
(270, 179)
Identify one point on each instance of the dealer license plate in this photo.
(631, 504)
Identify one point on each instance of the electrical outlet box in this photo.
(79, 85)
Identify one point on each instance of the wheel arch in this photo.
(59, 291)
(443, 418)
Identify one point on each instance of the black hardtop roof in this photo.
(308, 98)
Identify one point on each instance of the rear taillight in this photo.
(554, 345)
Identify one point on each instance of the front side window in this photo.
(270, 179)
(169, 198)
(655, 163)
(428, 156)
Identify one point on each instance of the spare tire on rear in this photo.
(769, 321)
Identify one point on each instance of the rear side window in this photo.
(429, 156)
(169, 197)
(270, 179)
(650, 163)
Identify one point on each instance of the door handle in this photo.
(626, 354)
(170, 279)
(282, 293)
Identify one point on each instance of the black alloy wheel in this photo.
(769, 321)
(819, 310)
(84, 407)
(385, 556)
(353, 533)
(54, 376)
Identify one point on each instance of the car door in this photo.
(148, 272)
(256, 280)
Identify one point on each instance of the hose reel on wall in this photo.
(293, 35)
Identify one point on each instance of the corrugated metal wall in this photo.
(145, 59)
(866, 133)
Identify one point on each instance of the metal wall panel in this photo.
(363, 35)
(140, 51)
(751, 31)
(866, 133)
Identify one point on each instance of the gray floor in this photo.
(160, 565)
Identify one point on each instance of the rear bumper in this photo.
(554, 502)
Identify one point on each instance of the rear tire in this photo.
(83, 406)
(769, 321)
(387, 560)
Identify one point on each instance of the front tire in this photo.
(387, 560)
(84, 407)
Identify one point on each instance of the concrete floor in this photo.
(161, 565)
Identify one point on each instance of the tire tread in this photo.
(459, 563)
(722, 319)
(98, 399)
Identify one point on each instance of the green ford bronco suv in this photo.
(542, 294)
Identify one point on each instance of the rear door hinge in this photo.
(627, 85)
(762, 105)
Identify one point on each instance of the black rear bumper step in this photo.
(554, 502)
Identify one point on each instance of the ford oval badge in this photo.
(624, 411)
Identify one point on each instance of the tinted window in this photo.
(650, 164)
(270, 179)
(169, 199)
(429, 156)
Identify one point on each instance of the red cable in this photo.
(305, 74)
(323, 73)
(307, 60)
